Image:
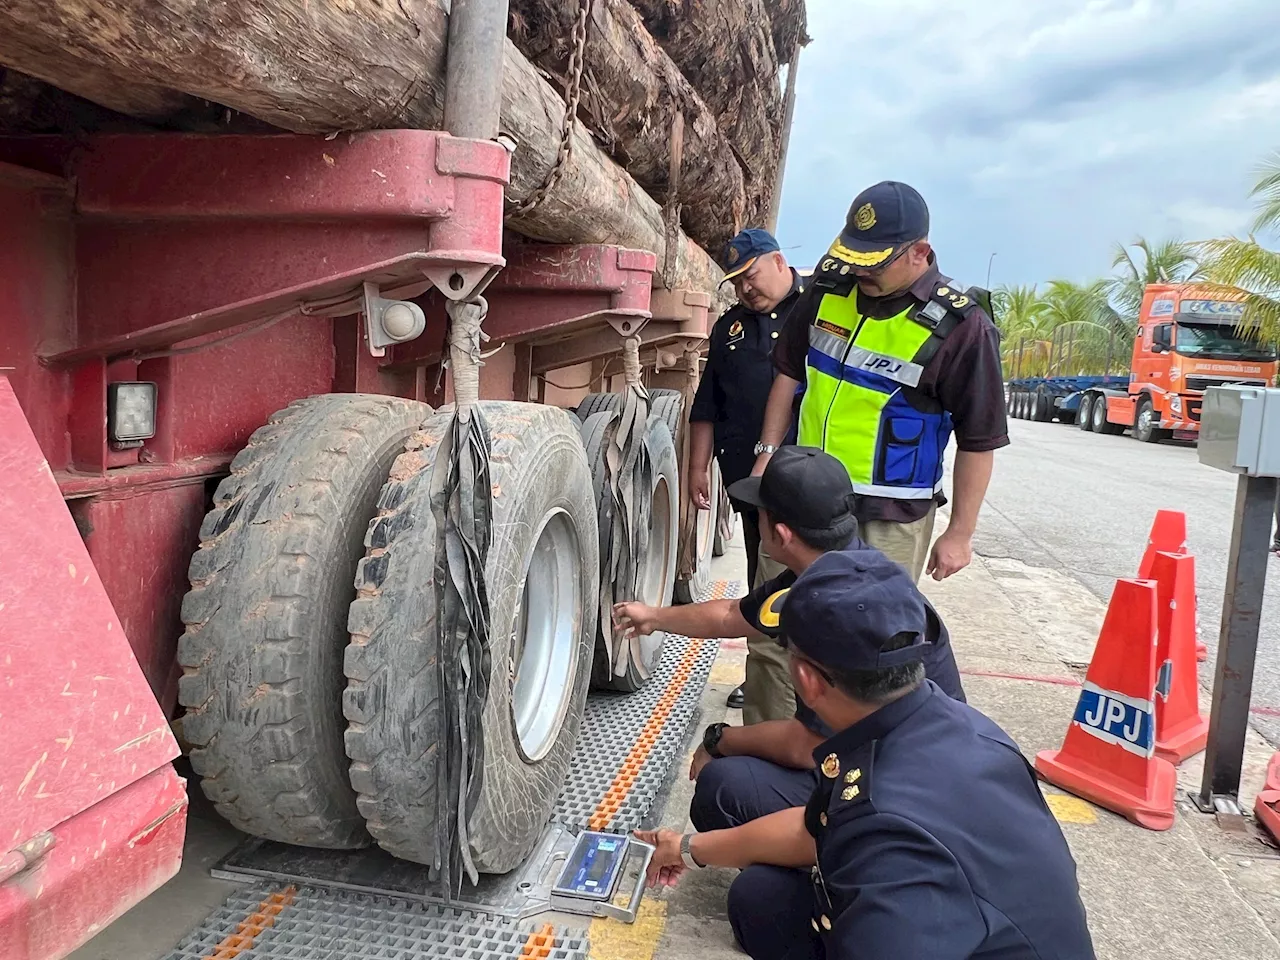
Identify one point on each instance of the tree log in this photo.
(323, 66)
(631, 94)
(725, 49)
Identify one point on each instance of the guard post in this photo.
(1239, 433)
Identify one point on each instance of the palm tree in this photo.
(1020, 315)
(1248, 265)
(1172, 261)
(1086, 327)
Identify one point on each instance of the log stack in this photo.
(679, 112)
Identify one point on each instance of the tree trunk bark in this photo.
(631, 95)
(725, 49)
(321, 67)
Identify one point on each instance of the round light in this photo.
(402, 321)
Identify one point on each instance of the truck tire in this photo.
(266, 617)
(541, 578)
(1044, 407)
(1145, 423)
(657, 579)
(1020, 405)
(1100, 422)
(1084, 416)
(594, 403)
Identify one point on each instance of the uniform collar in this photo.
(878, 724)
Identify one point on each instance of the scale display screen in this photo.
(592, 869)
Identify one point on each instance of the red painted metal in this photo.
(99, 864)
(80, 722)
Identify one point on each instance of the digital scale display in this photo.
(592, 870)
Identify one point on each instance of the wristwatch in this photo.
(765, 448)
(686, 855)
(711, 739)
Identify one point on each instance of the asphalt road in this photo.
(1083, 503)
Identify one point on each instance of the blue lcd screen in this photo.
(593, 867)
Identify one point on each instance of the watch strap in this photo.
(711, 739)
(686, 855)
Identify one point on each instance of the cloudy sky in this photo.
(1041, 130)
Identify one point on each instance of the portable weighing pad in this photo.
(589, 882)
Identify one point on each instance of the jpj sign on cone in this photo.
(1108, 755)
(1169, 535)
(1181, 731)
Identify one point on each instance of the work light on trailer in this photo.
(131, 413)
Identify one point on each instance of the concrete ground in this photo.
(1081, 504)
(1194, 891)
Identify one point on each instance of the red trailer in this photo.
(286, 461)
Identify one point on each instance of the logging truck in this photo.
(343, 382)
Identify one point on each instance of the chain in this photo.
(573, 94)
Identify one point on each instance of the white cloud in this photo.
(1046, 131)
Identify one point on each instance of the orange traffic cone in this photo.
(1169, 535)
(1181, 731)
(1108, 755)
(1267, 806)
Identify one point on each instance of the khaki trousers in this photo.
(767, 691)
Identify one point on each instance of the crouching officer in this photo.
(927, 834)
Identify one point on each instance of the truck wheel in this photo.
(541, 578)
(266, 617)
(1044, 408)
(1100, 422)
(595, 403)
(657, 575)
(1084, 416)
(1020, 405)
(1145, 423)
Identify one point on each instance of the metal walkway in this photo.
(365, 905)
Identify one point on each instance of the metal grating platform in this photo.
(625, 752)
(271, 921)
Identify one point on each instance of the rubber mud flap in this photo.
(266, 617)
(544, 529)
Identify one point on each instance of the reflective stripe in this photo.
(897, 493)
(838, 371)
(827, 343)
(883, 365)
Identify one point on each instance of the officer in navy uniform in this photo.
(927, 835)
(728, 411)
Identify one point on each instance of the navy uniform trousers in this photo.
(770, 908)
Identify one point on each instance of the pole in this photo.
(989, 260)
(473, 68)
(788, 114)
(1237, 645)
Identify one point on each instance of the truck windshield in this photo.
(1219, 340)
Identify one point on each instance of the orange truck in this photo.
(1188, 340)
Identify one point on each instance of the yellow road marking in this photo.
(1070, 809)
(615, 940)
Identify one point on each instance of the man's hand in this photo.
(667, 866)
(762, 461)
(700, 488)
(700, 759)
(952, 552)
(634, 619)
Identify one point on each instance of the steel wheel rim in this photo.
(1099, 415)
(545, 639)
(1144, 419)
(657, 571)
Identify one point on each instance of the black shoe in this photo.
(736, 699)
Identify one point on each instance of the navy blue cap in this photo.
(881, 220)
(744, 249)
(847, 605)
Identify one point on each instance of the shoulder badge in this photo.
(831, 766)
(946, 303)
(735, 330)
(770, 614)
(852, 786)
(865, 218)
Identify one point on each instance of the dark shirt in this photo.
(964, 376)
(934, 840)
(736, 381)
(939, 660)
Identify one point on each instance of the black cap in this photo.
(881, 221)
(805, 488)
(744, 249)
(847, 605)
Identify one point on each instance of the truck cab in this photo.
(1188, 340)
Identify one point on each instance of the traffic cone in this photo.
(1181, 731)
(1108, 755)
(1169, 535)
(1266, 808)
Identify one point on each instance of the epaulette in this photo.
(845, 782)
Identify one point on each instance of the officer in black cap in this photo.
(804, 499)
(893, 357)
(927, 834)
(728, 412)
